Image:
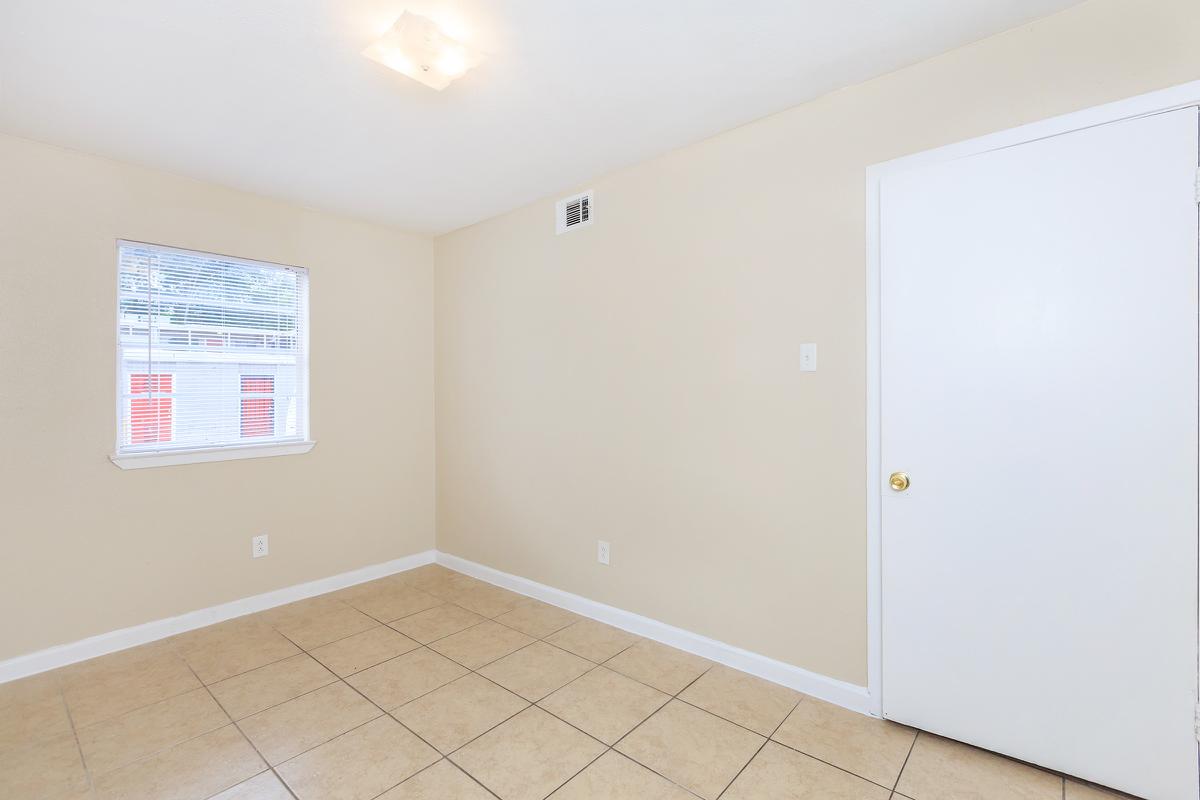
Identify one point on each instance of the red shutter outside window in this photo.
(258, 413)
(150, 414)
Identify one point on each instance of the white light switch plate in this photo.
(808, 357)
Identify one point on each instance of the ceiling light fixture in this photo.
(415, 46)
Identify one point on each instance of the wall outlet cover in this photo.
(602, 552)
(258, 546)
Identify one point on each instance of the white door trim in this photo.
(1182, 96)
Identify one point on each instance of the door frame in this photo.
(1157, 102)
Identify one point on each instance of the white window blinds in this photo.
(213, 351)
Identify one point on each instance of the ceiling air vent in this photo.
(573, 212)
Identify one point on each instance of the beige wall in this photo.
(87, 547)
(636, 381)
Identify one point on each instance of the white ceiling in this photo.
(272, 96)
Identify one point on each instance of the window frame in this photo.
(232, 450)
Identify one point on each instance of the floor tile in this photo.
(488, 600)
(394, 683)
(194, 770)
(46, 770)
(122, 740)
(112, 685)
(529, 756)
(428, 577)
(593, 640)
(325, 624)
(436, 623)
(356, 653)
(27, 690)
(941, 769)
(693, 748)
(276, 683)
(117, 662)
(287, 730)
(749, 701)
(537, 619)
(482, 644)
(665, 668)
(358, 765)
(615, 777)
(777, 773)
(1075, 790)
(263, 786)
(298, 610)
(605, 704)
(231, 648)
(389, 600)
(872, 748)
(451, 586)
(33, 720)
(442, 781)
(537, 670)
(455, 714)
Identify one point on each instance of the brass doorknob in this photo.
(898, 481)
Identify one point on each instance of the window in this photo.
(213, 357)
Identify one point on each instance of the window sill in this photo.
(199, 456)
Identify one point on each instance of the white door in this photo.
(1039, 388)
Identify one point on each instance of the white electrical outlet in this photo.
(602, 552)
(808, 357)
(258, 546)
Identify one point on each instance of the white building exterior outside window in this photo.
(212, 357)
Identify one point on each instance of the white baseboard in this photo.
(93, 646)
(832, 690)
(847, 695)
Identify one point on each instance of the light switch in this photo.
(808, 357)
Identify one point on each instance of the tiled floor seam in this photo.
(760, 747)
(423, 739)
(577, 772)
(595, 664)
(141, 707)
(675, 696)
(253, 746)
(152, 753)
(607, 746)
(835, 766)
(281, 702)
(286, 788)
(87, 771)
(908, 755)
(175, 652)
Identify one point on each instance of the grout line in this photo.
(253, 746)
(760, 747)
(431, 766)
(398, 722)
(173, 649)
(830, 763)
(911, 747)
(159, 751)
(475, 671)
(87, 771)
(448, 599)
(768, 739)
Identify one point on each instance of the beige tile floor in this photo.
(430, 685)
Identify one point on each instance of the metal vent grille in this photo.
(573, 212)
